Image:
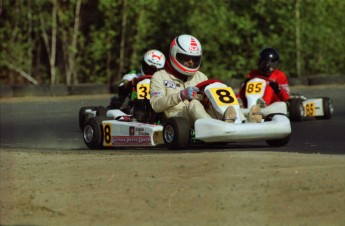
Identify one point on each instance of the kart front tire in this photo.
(93, 133)
(82, 116)
(296, 110)
(100, 111)
(277, 142)
(176, 133)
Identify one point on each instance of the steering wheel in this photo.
(144, 77)
(203, 84)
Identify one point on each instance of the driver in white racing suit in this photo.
(173, 90)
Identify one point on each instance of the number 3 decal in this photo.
(224, 96)
(143, 91)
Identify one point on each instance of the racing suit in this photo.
(125, 86)
(122, 100)
(269, 96)
(165, 95)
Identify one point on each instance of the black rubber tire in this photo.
(115, 102)
(176, 133)
(94, 141)
(296, 110)
(100, 111)
(328, 108)
(277, 142)
(82, 116)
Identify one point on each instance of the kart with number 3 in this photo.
(104, 128)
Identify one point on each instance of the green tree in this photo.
(17, 45)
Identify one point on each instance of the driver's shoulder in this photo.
(200, 76)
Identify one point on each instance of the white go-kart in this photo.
(103, 127)
(297, 107)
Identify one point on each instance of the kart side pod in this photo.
(275, 127)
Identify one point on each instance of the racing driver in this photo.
(152, 61)
(267, 69)
(173, 90)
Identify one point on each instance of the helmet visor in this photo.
(188, 61)
(148, 69)
(268, 66)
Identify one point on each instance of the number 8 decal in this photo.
(107, 134)
(224, 96)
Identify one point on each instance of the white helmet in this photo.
(185, 48)
(152, 61)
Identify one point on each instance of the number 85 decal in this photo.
(224, 96)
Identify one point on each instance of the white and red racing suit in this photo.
(165, 90)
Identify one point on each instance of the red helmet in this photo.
(185, 54)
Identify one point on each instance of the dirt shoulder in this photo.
(224, 187)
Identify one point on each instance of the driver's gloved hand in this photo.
(134, 81)
(189, 93)
(275, 87)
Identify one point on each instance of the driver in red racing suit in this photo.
(278, 89)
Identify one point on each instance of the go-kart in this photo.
(301, 107)
(255, 91)
(297, 107)
(115, 128)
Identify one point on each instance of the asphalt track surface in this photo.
(51, 124)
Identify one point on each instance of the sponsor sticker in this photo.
(170, 84)
(156, 94)
(131, 140)
(135, 131)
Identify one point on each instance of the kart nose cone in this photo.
(88, 133)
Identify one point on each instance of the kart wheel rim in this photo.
(88, 133)
(169, 134)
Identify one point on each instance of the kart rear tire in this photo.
(277, 142)
(100, 111)
(176, 133)
(328, 108)
(93, 132)
(115, 102)
(296, 110)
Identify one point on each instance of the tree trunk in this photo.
(72, 49)
(298, 38)
(23, 73)
(123, 40)
(29, 37)
(53, 45)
